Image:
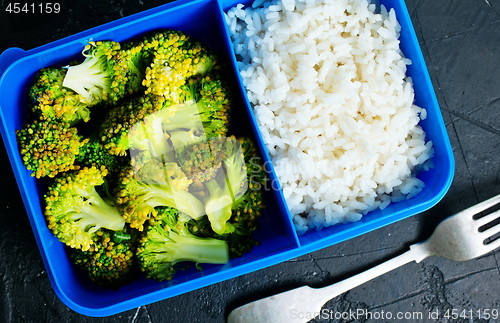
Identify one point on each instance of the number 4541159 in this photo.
(49, 7)
(469, 314)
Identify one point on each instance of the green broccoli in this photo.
(205, 109)
(154, 124)
(199, 157)
(152, 164)
(75, 211)
(190, 128)
(226, 187)
(138, 59)
(202, 116)
(48, 147)
(130, 115)
(93, 153)
(212, 94)
(218, 204)
(102, 77)
(244, 220)
(172, 127)
(244, 181)
(146, 123)
(167, 242)
(49, 100)
(110, 261)
(149, 183)
(176, 58)
(185, 90)
(149, 133)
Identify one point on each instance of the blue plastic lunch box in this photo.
(202, 19)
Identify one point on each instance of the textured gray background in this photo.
(460, 40)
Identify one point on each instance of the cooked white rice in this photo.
(328, 84)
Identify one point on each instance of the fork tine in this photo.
(492, 245)
(486, 219)
(490, 232)
(483, 205)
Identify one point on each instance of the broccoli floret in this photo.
(75, 211)
(228, 185)
(102, 77)
(205, 109)
(248, 199)
(213, 97)
(187, 129)
(110, 261)
(176, 58)
(244, 181)
(138, 59)
(199, 101)
(218, 204)
(146, 123)
(244, 220)
(49, 100)
(48, 147)
(149, 134)
(93, 153)
(166, 107)
(167, 242)
(199, 157)
(151, 170)
(150, 183)
(130, 115)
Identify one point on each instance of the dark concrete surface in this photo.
(460, 40)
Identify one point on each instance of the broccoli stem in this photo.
(148, 135)
(156, 137)
(184, 139)
(236, 174)
(163, 195)
(218, 206)
(200, 250)
(98, 211)
(187, 116)
(204, 68)
(86, 78)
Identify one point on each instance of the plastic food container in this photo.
(202, 19)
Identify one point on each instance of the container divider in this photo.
(274, 184)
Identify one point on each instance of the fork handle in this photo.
(324, 294)
(277, 308)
